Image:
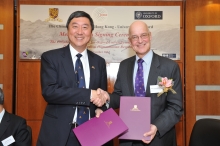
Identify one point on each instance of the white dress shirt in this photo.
(85, 62)
(2, 114)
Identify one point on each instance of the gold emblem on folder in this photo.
(135, 108)
(108, 123)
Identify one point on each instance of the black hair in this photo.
(78, 14)
(1, 97)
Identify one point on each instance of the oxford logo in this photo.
(138, 15)
(53, 15)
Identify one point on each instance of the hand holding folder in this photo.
(98, 131)
(135, 112)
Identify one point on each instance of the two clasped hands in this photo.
(100, 97)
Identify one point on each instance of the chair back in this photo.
(205, 132)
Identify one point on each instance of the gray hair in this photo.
(1, 97)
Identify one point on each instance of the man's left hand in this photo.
(151, 133)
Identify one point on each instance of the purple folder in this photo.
(135, 112)
(98, 131)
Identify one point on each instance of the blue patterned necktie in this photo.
(82, 111)
(139, 80)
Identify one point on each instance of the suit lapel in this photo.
(68, 63)
(130, 72)
(153, 74)
(4, 123)
(92, 69)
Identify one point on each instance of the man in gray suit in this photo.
(166, 110)
(13, 128)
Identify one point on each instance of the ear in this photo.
(129, 41)
(150, 36)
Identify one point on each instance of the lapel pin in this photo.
(93, 67)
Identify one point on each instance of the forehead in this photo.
(138, 28)
(80, 21)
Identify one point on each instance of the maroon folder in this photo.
(135, 112)
(98, 131)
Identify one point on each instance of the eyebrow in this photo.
(79, 24)
(141, 33)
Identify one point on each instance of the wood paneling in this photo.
(35, 126)
(207, 72)
(202, 72)
(7, 49)
(207, 103)
(30, 103)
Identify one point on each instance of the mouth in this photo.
(141, 45)
(79, 38)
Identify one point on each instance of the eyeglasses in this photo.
(142, 36)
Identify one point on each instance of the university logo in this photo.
(100, 14)
(135, 108)
(138, 15)
(108, 123)
(53, 15)
(53, 12)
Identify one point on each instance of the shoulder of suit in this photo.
(164, 59)
(94, 55)
(56, 51)
(128, 60)
(14, 117)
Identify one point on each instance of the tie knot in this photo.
(140, 61)
(79, 55)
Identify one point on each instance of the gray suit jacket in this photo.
(166, 110)
(62, 95)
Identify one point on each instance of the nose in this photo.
(79, 31)
(140, 39)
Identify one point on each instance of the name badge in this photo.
(8, 141)
(155, 89)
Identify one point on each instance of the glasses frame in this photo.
(143, 36)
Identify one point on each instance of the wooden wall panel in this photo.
(207, 72)
(30, 103)
(35, 125)
(7, 49)
(201, 13)
(207, 103)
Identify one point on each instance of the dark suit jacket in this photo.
(17, 127)
(62, 95)
(166, 110)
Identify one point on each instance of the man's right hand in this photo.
(99, 97)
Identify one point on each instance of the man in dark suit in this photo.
(13, 129)
(59, 83)
(166, 110)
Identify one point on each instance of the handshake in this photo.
(99, 97)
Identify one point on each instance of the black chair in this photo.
(206, 132)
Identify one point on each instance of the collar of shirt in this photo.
(147, 58)
(2, 114)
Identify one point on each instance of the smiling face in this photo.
(140, 38)
(79, 33)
